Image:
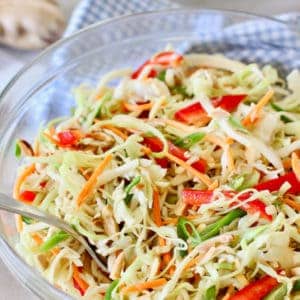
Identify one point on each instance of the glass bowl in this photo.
(41, 91)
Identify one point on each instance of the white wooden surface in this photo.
(9, 287)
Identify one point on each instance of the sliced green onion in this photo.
(190, 140)
(275, 107)
(210, 294)
(129, 187)
(107, 97)
(278, 293)
(245, 181)
(237, 124)
(285, 119)
(172, 199)
(53, 240)
(109, 291)
(226, 266)
(17, 150)
(214, 228)
(186, 230)
(27, 220)
(162, 75)
(180, 89)
(296, 286)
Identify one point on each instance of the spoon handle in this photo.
(9, 204)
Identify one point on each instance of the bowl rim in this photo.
(77, 33)
(7, 248)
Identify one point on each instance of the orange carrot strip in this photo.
(137, 107)
(76, 276)
(252, 116)
(20, 180)
(37, 239)
(295, 205)
(204, 178)
(296, 165)
(156, 208)
(19, 223)
(89, 185)
(139, 287)
(116, 131)
(180, 126)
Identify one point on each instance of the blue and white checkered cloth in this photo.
(214, 38)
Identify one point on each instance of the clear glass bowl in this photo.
(41, 91)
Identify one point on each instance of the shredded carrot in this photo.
(146, 150)
(20, 180)
(89, 185)
(84, 174)
(156, 208)
(287, 163)
(139, 287)
(76, 276)
(296, 165)
(193, 261)
(37, 239)
(295, 205)
(253, 115)
(19, 223)
(137, 107)
(180, 126)
(204, 178)
(116, 131)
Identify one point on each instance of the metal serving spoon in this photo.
(9, 204)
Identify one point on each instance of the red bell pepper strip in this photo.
(67, 138)
(228, 102)
(77, 286)
(199, 197)
(165, 59)
(274, 185)
(195, 113)
(156, 145)
(256, 290)
(27, 196)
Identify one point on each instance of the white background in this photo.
(11, 61)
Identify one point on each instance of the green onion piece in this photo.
(186, 230)
(296, 286)
(132, 184)
(214, 228)
(128, 198)
(107, 97)
(129, 187)
(27, 220)
(278, 293)
(210, 294)
(285, 119)
(109, 291)
(162, 75)
(190, 140)
(53, 240)
(237, 124)
(179, 89)
(275, 107)
(226, 266)
(172, 199)
(245, 181)
(17, 150)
